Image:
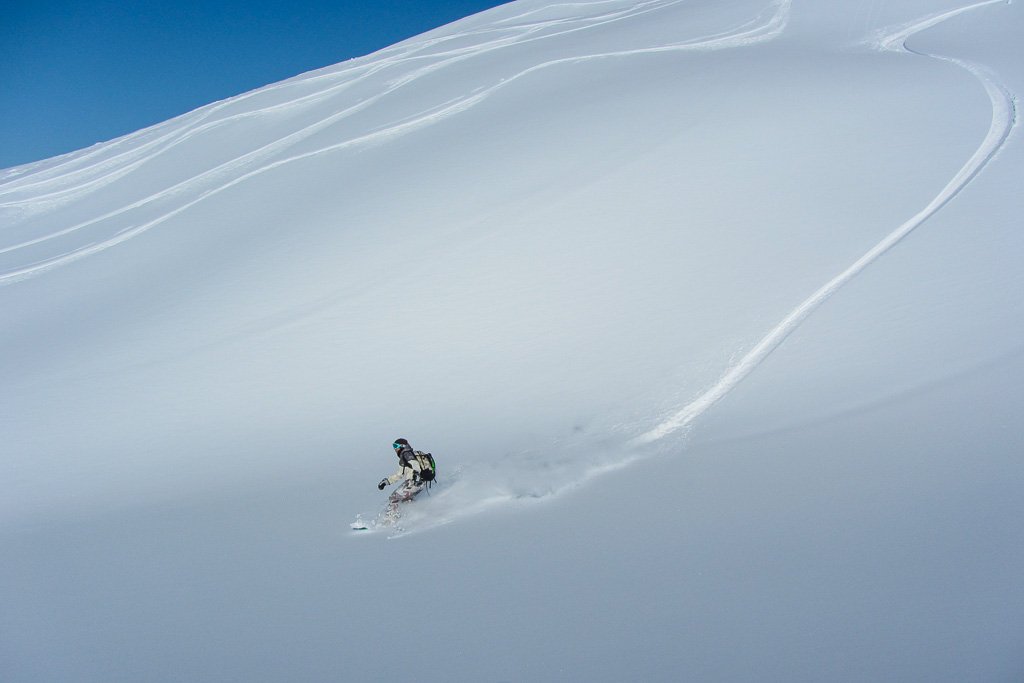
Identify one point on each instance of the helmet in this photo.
(399, 443)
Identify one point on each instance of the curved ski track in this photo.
(1004, 119)
(765, 27)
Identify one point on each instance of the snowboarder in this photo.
(415, 469)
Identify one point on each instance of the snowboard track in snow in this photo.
(1004, 119)
(228, 174)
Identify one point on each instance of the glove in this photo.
(382, 484)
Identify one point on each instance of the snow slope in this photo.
(723, 298)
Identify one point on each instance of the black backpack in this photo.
(428, 468)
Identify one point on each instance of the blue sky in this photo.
(75, 73)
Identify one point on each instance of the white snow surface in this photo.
(709, 310)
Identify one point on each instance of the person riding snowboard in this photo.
(415, 469)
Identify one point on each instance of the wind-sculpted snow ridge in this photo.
(115, 226)
(72, 172)
(73, 177)
(1003, 121)
(88, 170)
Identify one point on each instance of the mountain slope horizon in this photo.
(720, 298)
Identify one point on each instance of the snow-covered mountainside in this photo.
(709, 310)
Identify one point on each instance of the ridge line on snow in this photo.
(18, 183)
(14, 182)
(751, 32)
